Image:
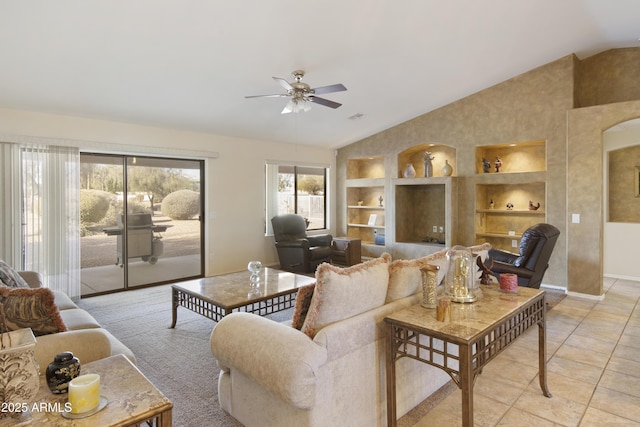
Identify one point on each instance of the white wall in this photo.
(620, 248)
(235, 180)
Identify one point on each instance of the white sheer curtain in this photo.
(50, 188)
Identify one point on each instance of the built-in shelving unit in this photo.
(365, 200)
(502, 199)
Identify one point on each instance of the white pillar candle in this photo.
(84, 393)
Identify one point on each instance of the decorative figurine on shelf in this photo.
(491, 204)
(498, 164)
(486, 165)
(533, 207)
(428, 166)
(380, 200)
(509, 206)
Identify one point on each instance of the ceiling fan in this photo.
(302, 95)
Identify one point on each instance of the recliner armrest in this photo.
(300, 243)
(320, 240)
(502, 256)
(503, 267)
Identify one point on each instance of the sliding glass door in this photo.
(158, 240)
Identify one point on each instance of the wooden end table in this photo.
(133, 400)
(217, 296)
(472, 336)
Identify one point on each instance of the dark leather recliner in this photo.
(531, 263)
(299, 253)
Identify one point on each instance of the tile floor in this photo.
(593, 370)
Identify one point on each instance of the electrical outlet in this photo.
(514, 243)
(435, 228)
(441, 229)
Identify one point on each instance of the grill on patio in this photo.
(143, 238)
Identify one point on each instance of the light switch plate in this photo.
(575, 218)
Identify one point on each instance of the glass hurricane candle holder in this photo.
(460, 277)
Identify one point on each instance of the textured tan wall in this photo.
(538, 105)
(585, 188)
(608, 77)
(624, 201)
(530, 107)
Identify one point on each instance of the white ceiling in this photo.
(188, 64)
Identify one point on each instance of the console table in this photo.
(472, 336)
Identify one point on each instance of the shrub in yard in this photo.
(181, 204)
(94, 205)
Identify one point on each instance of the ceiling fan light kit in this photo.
(302, 95)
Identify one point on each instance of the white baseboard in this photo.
(586, 296)
(621, 277)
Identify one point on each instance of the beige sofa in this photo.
(84, 337)
(273, 374)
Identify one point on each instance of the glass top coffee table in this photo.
(217, 296)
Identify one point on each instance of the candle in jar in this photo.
(84, 393)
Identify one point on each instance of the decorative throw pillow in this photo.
(10, 277)
(30, 308)
(341, 293)
(405, 277)
(301, 307)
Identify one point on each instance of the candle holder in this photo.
(460, 279)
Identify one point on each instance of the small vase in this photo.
(409, 171)
(447, 170)
(429, 286)
(61, 371)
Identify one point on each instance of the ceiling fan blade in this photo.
(325, 102)
(277, 95)
(329, 89)
(282, 82)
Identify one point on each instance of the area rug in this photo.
(178, 361)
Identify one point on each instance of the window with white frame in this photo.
(298, 189)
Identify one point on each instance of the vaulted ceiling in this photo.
(189, 64)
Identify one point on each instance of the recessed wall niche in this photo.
(416, 155)
(624, 183)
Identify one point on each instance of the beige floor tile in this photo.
(583, 355)
(516, 417)
(566, 388)
(440, 417)
(629, 340)
(626, 352)
(507, 369)
(620, 382)
(594, 344)
(500, 389)
(487, 411)
(625, 366)
(571, 369)
(621, 316)
(617, 403)
(600, 331)
(595, 417)
(557, 409)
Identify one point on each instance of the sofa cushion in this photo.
(341, 293)
(63, 301)
(301, 307)
(405, 277)
(76, 318)
(9, 277)
(30, 308)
